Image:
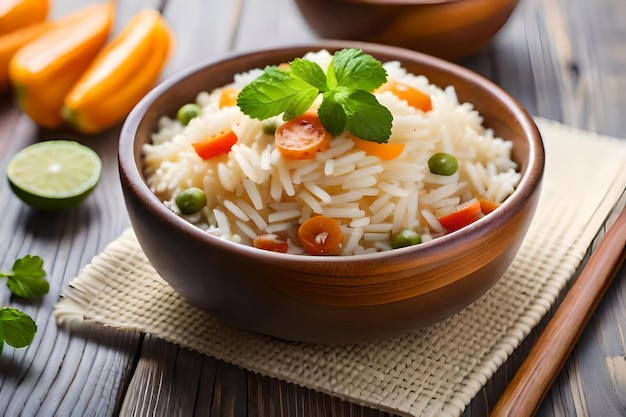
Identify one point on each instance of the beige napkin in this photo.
(434, 371)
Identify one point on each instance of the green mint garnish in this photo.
(26, 279)
(17, 329)
(347, 101)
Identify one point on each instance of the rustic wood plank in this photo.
(59, 373)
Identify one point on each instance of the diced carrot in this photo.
(302, 137)
(465, 214)
(320, 235)
(414, 97)
(271, 242)
(215, 145)
(382, 150)
(487, 206)
(228, 97)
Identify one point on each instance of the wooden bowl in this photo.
(450, 29)
(341, 299)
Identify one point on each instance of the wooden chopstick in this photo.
(524, 394)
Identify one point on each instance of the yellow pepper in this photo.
(11, 42)
(16, 14)
(122, 73)
(43, 71)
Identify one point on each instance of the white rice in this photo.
(253, 190)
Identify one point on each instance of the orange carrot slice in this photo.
(382, 150)
(302, 137)
(320, 235)
(271, 242)
(215, 145)
(414, 97)
(465, 214)
(487, 206)
(228, 97)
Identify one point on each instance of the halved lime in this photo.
(55, 174)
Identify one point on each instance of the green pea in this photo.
(406, 237)
(188, 112)
(191, 200)
(443, 163)
(269, 127)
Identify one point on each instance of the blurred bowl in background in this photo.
(449, 29)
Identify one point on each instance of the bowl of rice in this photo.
(344, 240)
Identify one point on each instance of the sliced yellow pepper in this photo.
(43, 71)
(122, 73)
(11, 42)
(16, 14)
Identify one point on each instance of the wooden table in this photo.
(563, 60)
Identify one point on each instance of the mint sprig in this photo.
(26, 280)
(17, 329)
(347, 101)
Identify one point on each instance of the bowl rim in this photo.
(529, 182)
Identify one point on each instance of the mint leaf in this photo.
(17, 329)
(367, 118)
(346, 99)
(27, 277)
(309, 72)
(356, 70)
(332, 114)
(275, 92)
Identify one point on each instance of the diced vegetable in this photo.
(187, 112)
(382, 150)
(228, 98)
(215, 145)
(271, 242)
(302, 137)
(268, 127)
(443, 163)
(191, 200)
(487, 206)
(406, 237)
(414, 97)
(465, 214)
(320, 235)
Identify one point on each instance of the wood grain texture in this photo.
(562, 59)
(526, 390)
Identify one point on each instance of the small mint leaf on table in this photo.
(17, 329)
(26, 279)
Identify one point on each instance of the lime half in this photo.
(55, 174)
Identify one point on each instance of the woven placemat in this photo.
(433, 371)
